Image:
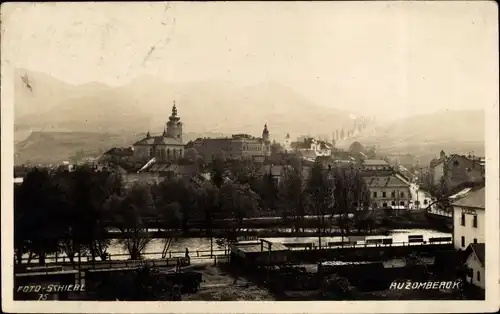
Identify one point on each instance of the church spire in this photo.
(174, 110)
(173, 117)
(265, 133)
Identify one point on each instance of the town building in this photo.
(312, 148)
(117, 155)
(237, 147)
(456, 169)
(167, 147)
(469, 219)
(475, 261)
(174, 170)
(387, 189)
(287, 144)
(375, 164)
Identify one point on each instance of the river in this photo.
(201, 246)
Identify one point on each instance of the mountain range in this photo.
(54, 119)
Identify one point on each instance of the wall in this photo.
(460, 169)
(389, 198)
(231, 148)
(141, 152)
(161, 152)
(437, 173)
(468, 231)
(474, 263)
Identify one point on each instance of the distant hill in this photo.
(47, 110)
(54, 147)
(426, 135)
(145, 103)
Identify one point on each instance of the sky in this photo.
(383, 59)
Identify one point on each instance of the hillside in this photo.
(145, 104)
(53, 147)
(426, 135)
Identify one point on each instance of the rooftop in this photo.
(120, 151)
(158, 140)
(478, 249)
(375, 162)
(473, 199)
(385, 181)
(178, 169)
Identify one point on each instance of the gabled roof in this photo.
(435, 162)
(177, 169)
(375, 162)
(158, 140)
(480, 162)
(473, 199)
(478, 249)
(120, 151)
(386, 181)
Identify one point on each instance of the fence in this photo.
(169, 262)
(61, 260)
(439, 212)
(382, 242)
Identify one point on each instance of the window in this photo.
(425, 202)
(463, 241)
(402, 203)
(475, 241)
(462, 220)
(383, 194)
(478, 275)
(474, 221)
(374, 194)
(455, 163)
(402, 194)
(393, 203)
(393, 194)
(384, 205)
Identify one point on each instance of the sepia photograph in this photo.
(249, 154)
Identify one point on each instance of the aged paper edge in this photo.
(8, 305)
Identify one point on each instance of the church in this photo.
(167, 147)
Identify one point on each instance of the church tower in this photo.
(265, 134)
(174, 126)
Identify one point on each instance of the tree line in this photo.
(71, 212)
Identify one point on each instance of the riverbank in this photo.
(219, 285)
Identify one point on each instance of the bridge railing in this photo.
(416, 240)
(121, 257)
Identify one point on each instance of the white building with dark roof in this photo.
(167, 147)
(469, 219)
(475, 261)
(388, 190)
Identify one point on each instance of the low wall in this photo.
(374, 253)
